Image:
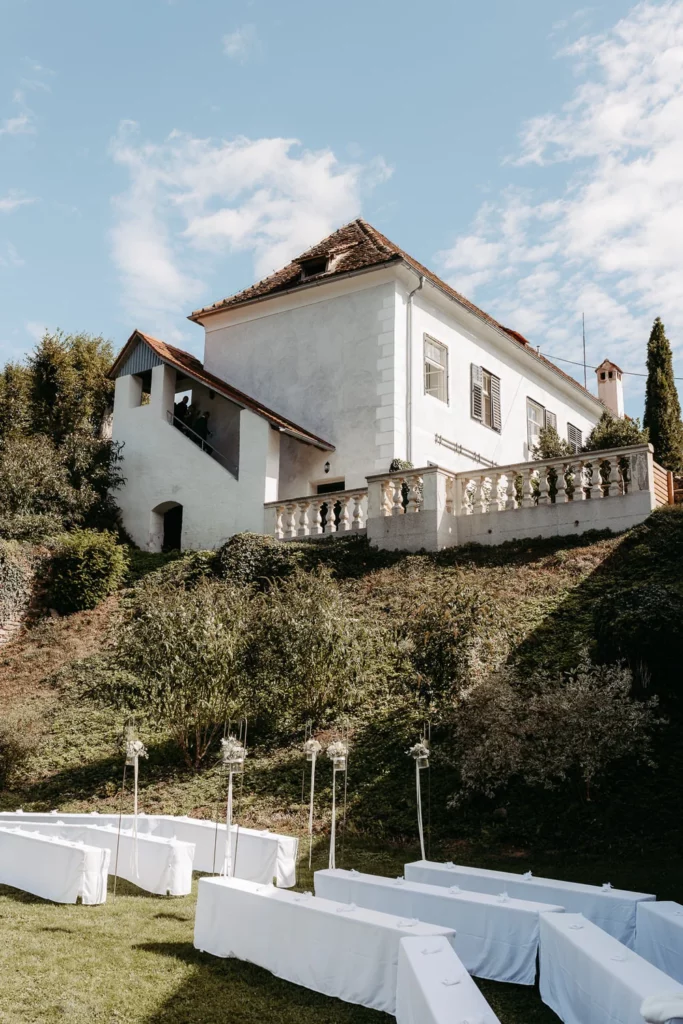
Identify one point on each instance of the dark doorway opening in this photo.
(330, 509)
(173, 529)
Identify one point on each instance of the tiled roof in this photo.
(191, 367)
(358, 246)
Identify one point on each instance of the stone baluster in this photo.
(344, 520)
(290, 531)
(612, 479)
(596, 480)
(357, 511)
(543, 489)
(511, 502)
(414, 493)
(279, 513)
(499, 496)
(465, 503)
(480, 503)
(316, 519)
(397, 507)
(561, 496)
(303, 530)
(386, 489)
(527, 487)
(580, 482)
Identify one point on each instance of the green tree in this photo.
(550, 445)
(70, 389)
(15, 385)
(662, 408)
(614, 432)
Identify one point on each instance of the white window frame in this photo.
(434, 368)
(531, 437)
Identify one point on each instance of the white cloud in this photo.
(241, 44)
(9, 257)
(22, 124)
(13, 200)
(190, 200)
(36, 330)
(610, 240)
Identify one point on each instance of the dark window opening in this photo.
(145, 379)
(336, 485)
(173, 529)
(314, 265)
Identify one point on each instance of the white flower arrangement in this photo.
(134, 750)
(312, 748)
(420, 753)
(337, 753)
(233, 753)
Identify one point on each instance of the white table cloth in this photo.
(261, 855)
(329, 947)
(433, 987)
(659, 936)
(588, 977)
(494, 939)
(56, 869)
(614, 910)
(164, 866)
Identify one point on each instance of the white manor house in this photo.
(317, 378)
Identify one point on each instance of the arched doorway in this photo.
(166, 527)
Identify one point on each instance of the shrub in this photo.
(567, 727)
(644, 625)
(16, 578)
(310, 654)
(250, 558)
(614, 432)
(178, 656)
(19, 738)
(85, 568)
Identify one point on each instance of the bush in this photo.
(310, 654)
(16, 579)
(18, 739)
(250, 558)
(178, 657)
(85, 568)
(644, 625)
(614, 432)
(548, 729)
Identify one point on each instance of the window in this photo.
(436, 369)
(550, 419)
(535, 421)
(575, 437)
(485, 397)
(313, 266)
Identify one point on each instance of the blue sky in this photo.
(157, 155)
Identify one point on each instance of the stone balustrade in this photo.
(318, 515)
(432, 508)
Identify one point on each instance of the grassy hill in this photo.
(537, 605)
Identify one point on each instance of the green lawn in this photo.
(132, 960)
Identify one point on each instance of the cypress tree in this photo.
(662, 408)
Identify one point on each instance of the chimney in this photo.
(610, 388)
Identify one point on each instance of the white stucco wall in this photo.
(162, 465)
(520, 378)
(314, 358)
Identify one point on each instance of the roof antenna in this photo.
(583, 326)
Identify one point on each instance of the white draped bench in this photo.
(495, 938)
(258, 856)
(614, 910)
(433, 986)
(588, 976)
(55, 869)
(659, 936)
(332, 948)
(158, 865)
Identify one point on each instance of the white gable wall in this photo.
(313, 357)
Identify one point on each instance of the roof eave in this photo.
(201, 314)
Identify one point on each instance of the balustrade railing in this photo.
(594, 476)
(587, 476)
(318, 515)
